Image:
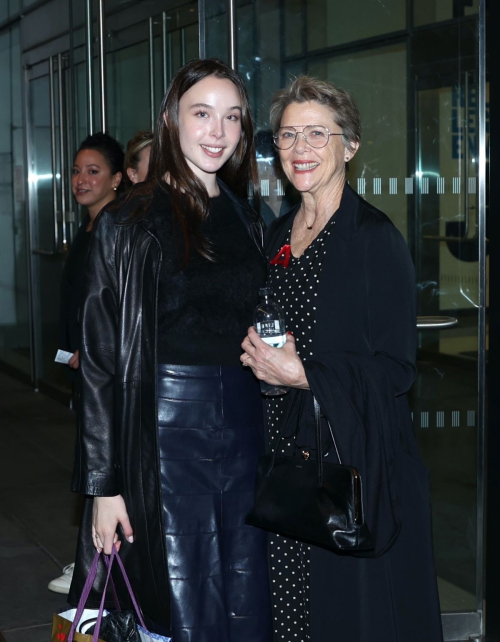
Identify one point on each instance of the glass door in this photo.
(53, 218)
(446, 401)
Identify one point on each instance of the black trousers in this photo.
(211, 435)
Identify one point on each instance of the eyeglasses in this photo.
(315, 135)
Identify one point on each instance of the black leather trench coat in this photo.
(116, 448)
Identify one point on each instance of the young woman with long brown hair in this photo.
(171, 424)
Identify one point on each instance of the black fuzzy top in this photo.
(205, 308)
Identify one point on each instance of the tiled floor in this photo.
(38, 514)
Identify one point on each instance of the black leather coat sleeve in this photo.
(94, 472)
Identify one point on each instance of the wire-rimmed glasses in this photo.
(315, 135)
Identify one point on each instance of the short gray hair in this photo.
(307, 89)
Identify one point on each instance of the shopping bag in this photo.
(83, 619)
(61, 625)
(144, 634)
(91, 625)
(147, 636)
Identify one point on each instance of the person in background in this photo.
(171, 425)
(96, 178)
(137, 157)
(346, 283)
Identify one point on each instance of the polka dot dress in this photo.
(295, 289)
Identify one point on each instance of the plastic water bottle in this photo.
(269, 322)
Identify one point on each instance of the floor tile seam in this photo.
(40, 485)
(25, 628)
(38, 447)
(33, 536)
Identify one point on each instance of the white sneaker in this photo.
(61, 584)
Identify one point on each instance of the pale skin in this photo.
(319, 175)
(93, 185)
(209, 132)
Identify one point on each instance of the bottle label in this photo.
(268, 327)
(278, 341)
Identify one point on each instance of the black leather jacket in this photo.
(116, 449)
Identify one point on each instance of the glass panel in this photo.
(377, 79)
(128, 102)
(14, 301)
(331, 23)
(294, 21)
(8, 8)
(216, 29)
(445, 396)
(428, 11)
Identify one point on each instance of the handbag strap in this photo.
(317, 416)
(296, 393)
(317, 422)
(319, 449)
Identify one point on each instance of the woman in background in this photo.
(96, 176)
(137, 157)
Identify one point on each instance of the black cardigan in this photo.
(364, 361)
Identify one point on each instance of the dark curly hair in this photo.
(109, 147)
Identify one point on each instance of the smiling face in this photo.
(312, 169)
(92, 182)
(209, 125)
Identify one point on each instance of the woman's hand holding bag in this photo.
(119, 626)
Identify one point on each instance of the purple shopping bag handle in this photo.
(88, 586)
(108, 562)
(84, 596)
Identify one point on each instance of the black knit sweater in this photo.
(205, 308)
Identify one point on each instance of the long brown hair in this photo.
(190, 200)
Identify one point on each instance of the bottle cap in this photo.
(263, 292)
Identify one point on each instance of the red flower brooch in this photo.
(283, 256)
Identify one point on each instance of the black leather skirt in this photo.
(211, 434)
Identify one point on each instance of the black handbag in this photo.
(311, 500)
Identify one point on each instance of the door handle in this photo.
(55, 250)
(102, 68)
(164, 49)
(90, 68)
(436, 322)
(62, 152)
(152, 73)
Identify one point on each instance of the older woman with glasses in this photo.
(344, 276)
